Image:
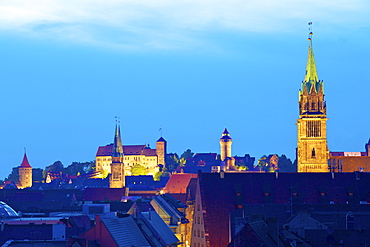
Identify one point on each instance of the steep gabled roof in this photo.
(178, 183)
(25, 162)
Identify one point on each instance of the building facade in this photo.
(151, 159)
(312, 150)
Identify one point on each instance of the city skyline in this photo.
(68, 69)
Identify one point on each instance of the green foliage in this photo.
(286, 165)
(37, 174)
(57, 166)
(137, 170)
(159, 175)
(13, 176)
(78, 167)
(186, 155)
(172, 162)
(240, 165)
(263, 164)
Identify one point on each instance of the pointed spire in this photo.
(311, 79)
(225, 134)
(117, 145)
(25, 162)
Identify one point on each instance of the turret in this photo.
(225, 145)
(25, 173)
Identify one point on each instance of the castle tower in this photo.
(117, 176)
(312, 151)
(25, 173)
(225, 145)
(161, 149)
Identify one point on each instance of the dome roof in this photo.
(6, 211)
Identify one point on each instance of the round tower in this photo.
(25, 173)
(225, 145)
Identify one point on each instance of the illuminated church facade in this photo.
(312, 150)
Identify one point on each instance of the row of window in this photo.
(198, 220)
(198, 233)
(126, 158)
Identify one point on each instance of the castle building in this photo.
(143, 155)
(312, 151)
(117, 176)
(25, 174)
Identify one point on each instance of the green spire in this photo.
(117, 145)
(311, 79)
(311, 73)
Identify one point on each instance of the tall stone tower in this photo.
(161, 149)
(117, 176)
(312, 152)
(25, 173)
(225, 145)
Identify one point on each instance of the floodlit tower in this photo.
(25, 173)
(312, 151)
(225, 145)
(117, 176)
(161, 149)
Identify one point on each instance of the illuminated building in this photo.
(143, 155)
(25, 174)
(225, 151)
(312, 151)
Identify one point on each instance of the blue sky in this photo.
(67, 68)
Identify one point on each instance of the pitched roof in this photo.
(178, 183)
(125, 232)
(220, 195)
(127, 150)
(161, 140)
(161, 229)
(25, 162)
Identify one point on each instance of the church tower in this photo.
(225, 145)
(312, 151)
(117, 176)
(25, 173)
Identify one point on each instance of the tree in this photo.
(57, 166)
(286, 165)
(159, 175)
(78, 167)
(37, 174)
(187, 154)
(172, 162)
(13, 176)
(137, 170)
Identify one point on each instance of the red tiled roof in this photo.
(127, 150)
(25, 161)
(178, 183)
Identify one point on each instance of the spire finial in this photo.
(160, 130)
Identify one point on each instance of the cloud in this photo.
(165, 24)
